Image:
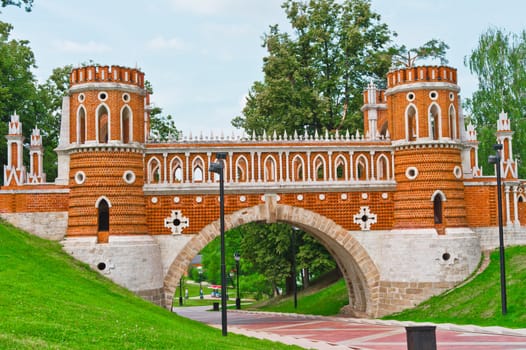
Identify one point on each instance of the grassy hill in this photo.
(478, 302)
(50, 301)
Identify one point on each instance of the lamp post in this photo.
(496, 159)
(294, 286)
(217, 167)
(181, 291)
(238, 300)
(200, 269)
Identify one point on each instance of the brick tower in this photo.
(103, 148)
(423, 118)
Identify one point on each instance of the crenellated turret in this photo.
(423, 117)
(102, 146)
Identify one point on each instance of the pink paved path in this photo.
(344, 333)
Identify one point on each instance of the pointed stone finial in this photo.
(295, 135)
(274, 135)
(316, 135)
(285, 136)
(347, 135)
(327, 135)
(264, 135)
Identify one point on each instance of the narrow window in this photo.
(437, 208)
(104, 216)
(103, 121)
(126, 125)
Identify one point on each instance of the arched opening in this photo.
(154, 171)
(382, 168)
(81, 126)
(241, 169)
(176, 170)
(452, 122)
(270, 170)
(361, 168)
(438, 198)
(360, 273)
(126, 125)
(103, 122)
(297, 168)
(197, 170)
(340, 164)
(103, 215)
(434, 122)
(411, 127)
(319, 169)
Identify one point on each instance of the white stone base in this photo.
(48, 225)
(422, 255)
(133, 262)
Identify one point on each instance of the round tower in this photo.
(423, 119)
(105, 146)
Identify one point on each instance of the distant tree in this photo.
(499, 62)
(28, 4)
(161, 126)
(314, 79)
(18, 90)
(434, 49)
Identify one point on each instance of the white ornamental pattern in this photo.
(176, 222)
(365, 218)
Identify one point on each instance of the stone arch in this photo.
(361, 274)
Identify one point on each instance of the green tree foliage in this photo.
(28, 4)
(162, 127)
(18, 91)
(499, 62)
(434, 49)
(314, 78)
(266, 258)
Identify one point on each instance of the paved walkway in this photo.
(336, 333)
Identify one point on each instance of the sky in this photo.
(202, 56)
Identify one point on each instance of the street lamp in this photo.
(496, 159)
(217, 167)
(181, 291)
(238, 300)
(200, 269)
(294, 286)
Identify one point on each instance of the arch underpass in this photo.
(359, 271)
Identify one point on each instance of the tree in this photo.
(161, 126)
(434, 48)
(499, 61)
(18, 92)
(28, 4)
(315, 78)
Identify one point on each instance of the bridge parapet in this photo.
(337, 163)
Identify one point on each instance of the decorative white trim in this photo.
(321, 197)
(81, 97)
(433, 95)
(457, 171)
(102, 96)
(343, 196)
(80, 177)
(177, 199)
(100, 199)
(385, 195)
(176, 222)
(155, 200)
(365, 218)
(299, 197)
(199, 199)
(411, 172)
(410, 96)
(242, 199)
(126, 97)
(365, 195)
(129, 177)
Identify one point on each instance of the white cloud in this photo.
(78, 47)
(161, 42)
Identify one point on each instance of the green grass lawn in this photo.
(479, 301)
(326, 302)
(50, 301)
